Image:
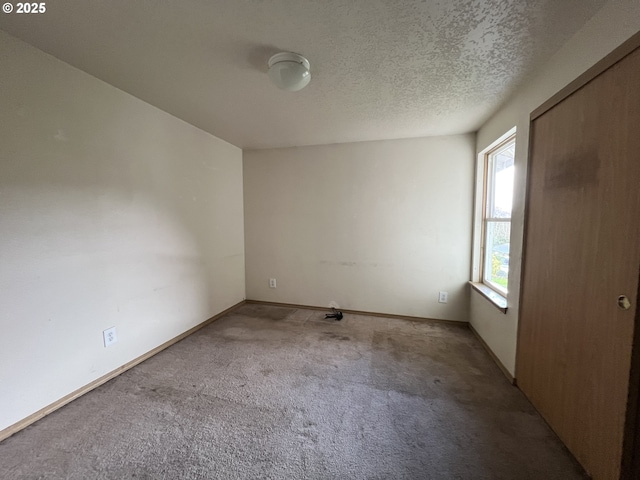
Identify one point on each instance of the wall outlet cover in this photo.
(110, 336)
(272, 283)
(443, 297)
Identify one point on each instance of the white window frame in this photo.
(488, 289)
(487, 207)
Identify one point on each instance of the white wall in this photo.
(616, 22)
(112, 212)
(374, 226)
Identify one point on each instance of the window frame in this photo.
(487, 204)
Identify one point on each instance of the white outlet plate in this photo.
(110, 336)
(272, 283)
(443, 297)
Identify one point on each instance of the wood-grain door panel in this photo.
(582, 251)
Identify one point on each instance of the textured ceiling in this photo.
(380, 68)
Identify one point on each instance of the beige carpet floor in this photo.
(281, 393)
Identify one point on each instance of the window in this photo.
(496, 225)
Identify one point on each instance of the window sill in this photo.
(493, 297)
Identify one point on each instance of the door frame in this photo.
(630, 467)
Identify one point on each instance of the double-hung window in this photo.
(496, 225)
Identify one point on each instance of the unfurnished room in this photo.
(341, 239)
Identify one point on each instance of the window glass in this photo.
(497, 215)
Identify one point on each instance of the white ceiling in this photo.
(380, 68)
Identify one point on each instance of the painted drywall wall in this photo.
(373, 226)
(112, 213)
(612, 25)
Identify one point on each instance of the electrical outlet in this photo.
(110, 336)
(443, 297)
(272, 283)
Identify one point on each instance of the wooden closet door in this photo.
(582, 252)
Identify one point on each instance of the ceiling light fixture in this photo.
(289, 71)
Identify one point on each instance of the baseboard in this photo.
(493, 356)
(358, 312)
(24, 423)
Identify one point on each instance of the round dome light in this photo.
(289, 71)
